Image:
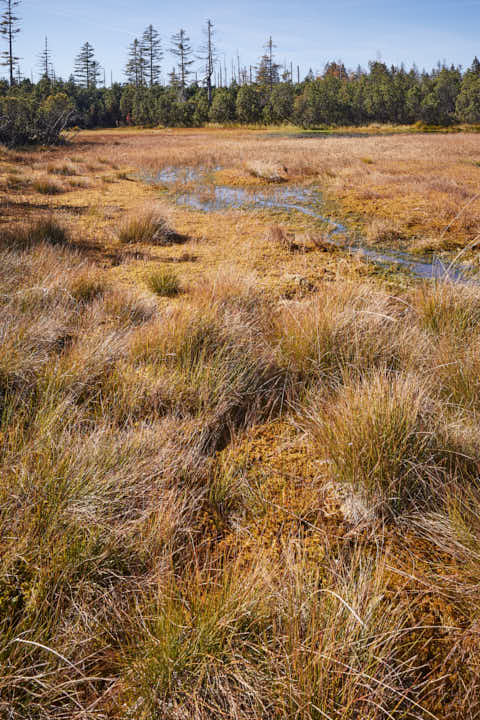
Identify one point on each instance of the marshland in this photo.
(240, 456)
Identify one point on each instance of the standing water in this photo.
(196, 189)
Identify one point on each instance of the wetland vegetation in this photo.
(240, 462)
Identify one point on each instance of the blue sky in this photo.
(308, 32)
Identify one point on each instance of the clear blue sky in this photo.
(308, 32)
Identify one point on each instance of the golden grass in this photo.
(47, 186)
(417, 184)
(257, 497)
(145, 226)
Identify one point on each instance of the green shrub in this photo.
(25, 121)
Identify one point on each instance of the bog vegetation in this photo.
(238, 479)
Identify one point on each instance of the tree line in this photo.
(268, 93)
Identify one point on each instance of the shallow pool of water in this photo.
(196, 189)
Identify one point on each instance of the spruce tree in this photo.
(208, 54)
(182, 50)
(45, 62)
(135, 67)
(153, 54)
(87, 69)
(9, 27)
(268, 70)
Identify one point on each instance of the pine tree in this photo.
(9, 28)
(135, 67)
(87, 69)
(153, 54)
(182, 49)
(268, 70)
(208, 54)
(45, 64)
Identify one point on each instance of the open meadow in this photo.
(240, 438)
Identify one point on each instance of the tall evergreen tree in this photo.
(182, 50)
(45, 64)
(135, 67)
(153, 54)
(87, 69)
(268, 70)
(208, 54)
(9, 27)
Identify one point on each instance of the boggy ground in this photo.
(239, 475)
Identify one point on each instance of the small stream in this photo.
(196, 189)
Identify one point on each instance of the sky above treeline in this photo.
(307, 33)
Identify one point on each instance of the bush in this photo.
(25, 121)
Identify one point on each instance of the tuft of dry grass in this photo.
(384, 232)
(16, 181)
(47, 186)
(66, 169)
(387, 441)
(449, 309)
(278, 235)
(45, 230)
(146, 226)
(271, 172)
(88, 286)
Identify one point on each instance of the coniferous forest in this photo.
(167, 82)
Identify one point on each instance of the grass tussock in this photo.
(278, 235)
(88, 286)
(270, 172)
(66, 169)
(164, 283)
(388, 442)
(449, 310)
(45, 230)
(15, 181)
(146, 226)
(47, 186)
(384, 232)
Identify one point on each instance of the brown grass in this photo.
(47, 186)
(145, 226)
(257, 497)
